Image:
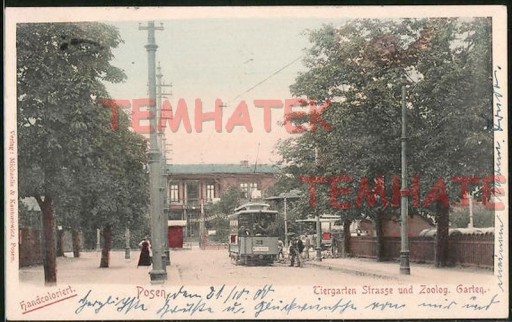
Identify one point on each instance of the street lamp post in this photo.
(157, 274)
(318, 238)
(404, 192)
(285, 225)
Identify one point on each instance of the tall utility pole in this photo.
(158, 273)
(404, 192)
(163, 187)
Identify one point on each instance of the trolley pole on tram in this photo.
(158, 274)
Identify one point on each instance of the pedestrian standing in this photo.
(334, 246)
(300, 249)
(292, 251)
(307, 246)
(280, 246)
(145, 247)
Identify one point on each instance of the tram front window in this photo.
(261, 228)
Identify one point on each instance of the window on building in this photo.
(247, 189)
(244, 190)
(174, 193)
(192, 192)
(210, 192)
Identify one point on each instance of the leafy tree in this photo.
(221, 227)
(229, 200)
(359, 69)
(61, 68)
(482, 217)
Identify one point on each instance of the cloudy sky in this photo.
(232, 59)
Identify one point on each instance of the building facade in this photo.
(192, 187)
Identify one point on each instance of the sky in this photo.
(219, 58)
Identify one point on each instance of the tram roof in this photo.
(253, 207)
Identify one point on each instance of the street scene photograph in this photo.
(256, 163)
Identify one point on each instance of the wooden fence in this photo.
(466, 250)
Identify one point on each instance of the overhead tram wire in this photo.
(267, 78)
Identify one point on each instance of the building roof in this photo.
(220, 168)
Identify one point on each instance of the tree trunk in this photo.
(380, 236)
(347, 252)
(76, 243)
(49, 260)
(107, 243)
(442, 236)
(60, 243)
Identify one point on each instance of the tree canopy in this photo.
(70, 156)
(359, 69)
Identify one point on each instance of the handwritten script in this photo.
(267, 302)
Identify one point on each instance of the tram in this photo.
(253, 235)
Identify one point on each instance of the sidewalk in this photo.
(194, 266)
(86, 270)
(391, 270)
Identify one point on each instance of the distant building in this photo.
(190, 185)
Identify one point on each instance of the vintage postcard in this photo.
(256, 163)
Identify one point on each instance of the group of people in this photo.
(295, 250)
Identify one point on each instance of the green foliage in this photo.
(28, 217)
(229, 200)
(68, 149)
(482, 217)
(221, 227)
(358, 68)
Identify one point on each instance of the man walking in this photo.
(307, 246)
(294, 251)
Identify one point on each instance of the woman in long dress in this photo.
(144, 258)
